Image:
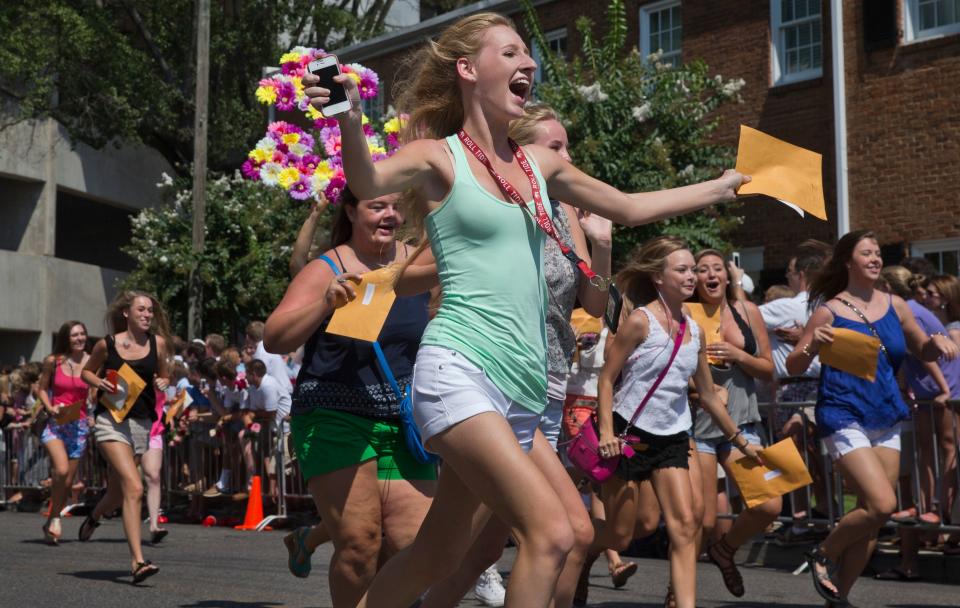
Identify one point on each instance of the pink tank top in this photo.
(68, 389)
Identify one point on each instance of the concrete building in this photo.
(892, 116)
(64, 214)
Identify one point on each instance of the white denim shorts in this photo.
(448, 389)
(854, 437)
(551, 420)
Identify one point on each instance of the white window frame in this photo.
(911, 21)
(551, 36)
(645, 12)
(776, 46)
(922, 248)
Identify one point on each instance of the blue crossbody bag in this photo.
(407, 425)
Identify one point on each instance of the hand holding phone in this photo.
(337, 100)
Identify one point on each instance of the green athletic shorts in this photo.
(328, 440)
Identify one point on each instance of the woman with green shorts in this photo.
(371, 492)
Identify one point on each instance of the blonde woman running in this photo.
(480, 384)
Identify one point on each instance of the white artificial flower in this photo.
(165, 180)
(641, 113)
(270, 173)
(592, 92)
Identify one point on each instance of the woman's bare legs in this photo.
(152, 463)
(675, 494)
(62, 471)
(482, 463)
(872, 473)
(404, 504)
(348, 500)
(123, 488)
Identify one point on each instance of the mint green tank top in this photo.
(490, 261)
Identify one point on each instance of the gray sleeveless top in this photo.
(562, 278)
(741, 391)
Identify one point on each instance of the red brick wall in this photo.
(902, 118)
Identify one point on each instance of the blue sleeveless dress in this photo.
(845, 400)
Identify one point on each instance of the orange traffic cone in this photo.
(254, 513)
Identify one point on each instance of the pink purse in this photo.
(584, 449)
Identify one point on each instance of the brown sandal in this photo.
(621, 572)
(722, 555)
(671, 600)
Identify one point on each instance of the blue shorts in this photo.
(72, 434)
(720, 447)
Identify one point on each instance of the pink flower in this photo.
(286, 96)
(335, 187)
(368, 130)
(308, 164)
(300, 189)
(392, 141)
(291, 68)
(279, 157)
(250, 169)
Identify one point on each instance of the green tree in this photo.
(250, 231)
(640, 124)
(117, 70)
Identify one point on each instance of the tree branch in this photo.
(154, 49)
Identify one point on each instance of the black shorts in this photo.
(651, 452)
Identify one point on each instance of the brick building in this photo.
(899, 100)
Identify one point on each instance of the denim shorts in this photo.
(720, 447)
(72, 434)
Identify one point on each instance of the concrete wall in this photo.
(41, 291)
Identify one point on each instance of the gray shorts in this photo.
(134, 432)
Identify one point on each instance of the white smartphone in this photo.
(326, 68)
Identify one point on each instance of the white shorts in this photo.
(551, 420)
(855, 437)
(448, 389)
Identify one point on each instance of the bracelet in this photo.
(731, 438)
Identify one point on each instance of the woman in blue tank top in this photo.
(857, 419)
(480, 383)
(345, 424)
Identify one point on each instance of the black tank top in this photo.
(749, 340)
(145, 407)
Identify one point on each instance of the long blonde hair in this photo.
(524, 130)
(635, 281)
(432, 100)
(117, 323)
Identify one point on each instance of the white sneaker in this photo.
(489, 588)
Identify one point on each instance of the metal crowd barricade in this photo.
(26, 465)
(835, 487)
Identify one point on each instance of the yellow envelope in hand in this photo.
(783, 472)
(709, 322)
(585, 323)
(70, 412)
(180, 403)
(852, 352)
(788, 173)
(363, 318)
(129, 387)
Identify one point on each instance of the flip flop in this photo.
(298, 561)
(143, 571)
(622, 572)
(897, 574)
(158, 535)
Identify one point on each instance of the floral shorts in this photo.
(72, 434)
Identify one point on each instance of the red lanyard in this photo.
(541, 218)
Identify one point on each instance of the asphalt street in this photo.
(221, 567)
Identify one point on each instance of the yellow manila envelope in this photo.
(788, 173)
(363, 318)
(180, 403)
(585, 323)
(70, 412)
(709, 322)
(129, 386)
(783, 471)
(852, 352)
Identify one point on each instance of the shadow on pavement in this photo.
(228, 604)
(115, 576)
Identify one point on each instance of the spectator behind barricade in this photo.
(777, 292)
(232, 393)
(6, 396)
(195, 353)
(214, 343)
(270, 403)
(203, 380)
(276, 366)
(179, 376)
(921, 269)
(179, 348)
(927, 381)
(785, 319)
(23, 390)
(232, 356)
(943, 299)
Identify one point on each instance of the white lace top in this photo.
(667, 412)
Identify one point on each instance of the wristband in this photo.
(733, 437)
